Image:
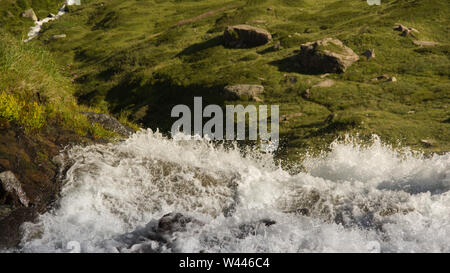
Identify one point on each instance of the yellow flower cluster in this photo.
(30, 115)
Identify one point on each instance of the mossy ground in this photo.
(133, 58)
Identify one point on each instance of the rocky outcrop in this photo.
(29, 13)
(109, 123)
(405, 31)
(244, 36)
(326, 56)
(12, 188)
(251, 91)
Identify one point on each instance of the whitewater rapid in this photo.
(34, 30)
(354, 198)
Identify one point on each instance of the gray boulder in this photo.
(326, 56)
(109, 123)
(29, 13)
(244, 36)
(234, 92)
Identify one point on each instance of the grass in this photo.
(131, 58)
(34, 94)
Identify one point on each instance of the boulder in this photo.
(29, 13)
(234, 92)
(369, 54)
(244, 36)
(405, 31)
(13, 187)
(326, 56)
(109, 123)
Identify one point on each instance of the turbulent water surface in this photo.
(352, 199)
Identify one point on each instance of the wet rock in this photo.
(109, 123)
(234, 92)
(12, 186)
(245, 36)
(369, 54)
(253, 228)
(326, 56)
(174, 222)
(156, 236)
(29, 13)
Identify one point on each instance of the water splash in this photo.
(353, 199)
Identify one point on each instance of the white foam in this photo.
(352, 199)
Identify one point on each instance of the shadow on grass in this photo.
(291, 64)
(195, 48)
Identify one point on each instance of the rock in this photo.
(424, 43)
(234, 92)
(381, 77)
(51, 15)
(174, 222)
(324, 84)
(12, 186)
(392, 79)
(405, 31)
(426, 142)
(324, 75)
(277, 46)
(244, 36)
(58, 36)
(306, 94)
(29, 13)
(326, 56)
(109, 123)
(369, 54)
(330, 118)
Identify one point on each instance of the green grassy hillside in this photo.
(138, 58)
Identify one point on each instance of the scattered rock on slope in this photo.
(326, 56)
(234, 92)
(424, 43)
(29, 13)
(405, 31)
(244, 36)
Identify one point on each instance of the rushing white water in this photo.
(34, 30)
(352, 199)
